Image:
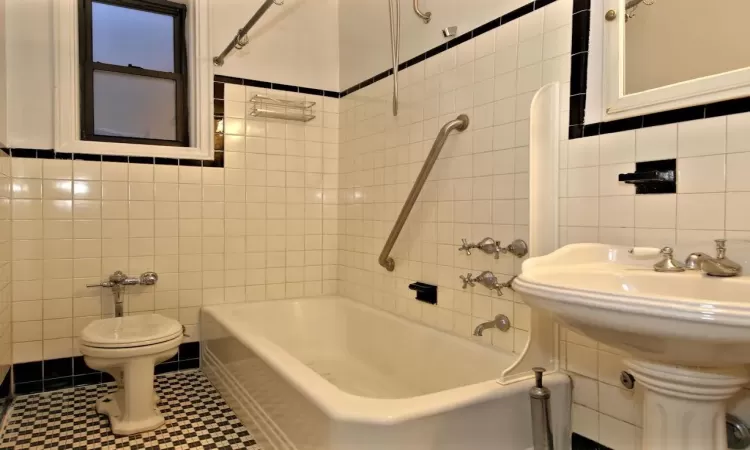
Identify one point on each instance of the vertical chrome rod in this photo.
(460, 124)
(395, 15)
(237, 41)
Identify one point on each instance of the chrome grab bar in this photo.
(460, 124)
(426, 16)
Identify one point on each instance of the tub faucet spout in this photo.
(501, 322)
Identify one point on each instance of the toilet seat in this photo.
(130, 331)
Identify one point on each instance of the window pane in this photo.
(125, 36)
(134, 106)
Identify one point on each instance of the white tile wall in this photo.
(305, 209)
(711, 202)
(478, 188)
(380, 157)
(262, 227)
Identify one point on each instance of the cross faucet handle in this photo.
(467, 280)
(500, 286)
(465, 247)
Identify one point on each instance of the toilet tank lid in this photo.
(131, 330)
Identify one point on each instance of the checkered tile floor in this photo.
(197, 418)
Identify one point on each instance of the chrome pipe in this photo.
(238, 42)
(460, 124)
(540, 414)
(394, 10)
(425, 16)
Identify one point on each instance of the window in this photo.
(133, 72)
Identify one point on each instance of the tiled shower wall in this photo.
(262, 227)
(479, 187)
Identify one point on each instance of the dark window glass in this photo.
(126, 36)
(133, 72)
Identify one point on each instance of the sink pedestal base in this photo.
(684, 408)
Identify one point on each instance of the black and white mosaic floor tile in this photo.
(196, 418)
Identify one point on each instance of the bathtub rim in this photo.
(342, 405)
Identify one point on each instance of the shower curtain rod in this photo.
(240, 40)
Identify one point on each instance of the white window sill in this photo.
(114, 148)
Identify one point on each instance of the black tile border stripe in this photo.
(581, 25)
(218, 160)
(578, 84)
(219, 94)
(513, 15)
(53, 374)
(579, 442)
(277, 86)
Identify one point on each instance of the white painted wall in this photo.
(365, 45)
(296, 43)
(28, 46)
(3, 77)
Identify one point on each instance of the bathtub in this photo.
(328, 373)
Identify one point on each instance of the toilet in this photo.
(128, 348)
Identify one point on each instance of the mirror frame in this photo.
(698, 91)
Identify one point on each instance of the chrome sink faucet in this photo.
(117, 280)
(668, 262)
(720, 266)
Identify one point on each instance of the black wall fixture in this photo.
(653, 177)
(425, 292)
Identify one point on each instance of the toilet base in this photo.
(108, 405)
(132, 407)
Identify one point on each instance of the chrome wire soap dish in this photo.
(263, 106)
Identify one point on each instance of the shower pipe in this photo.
(239, 40)
(395, 16)
(460, 124)
(426, 16)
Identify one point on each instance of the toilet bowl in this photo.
(128, 348)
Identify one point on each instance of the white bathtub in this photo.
(331, 374)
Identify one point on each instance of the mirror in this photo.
(662, 55)
(672, 41)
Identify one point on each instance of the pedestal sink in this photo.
(688, 334)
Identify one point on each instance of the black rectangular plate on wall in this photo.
(425, 292)
(653, 177)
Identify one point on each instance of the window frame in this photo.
(179, 75)
(67, 88)
(617, 104)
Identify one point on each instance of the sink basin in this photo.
(678, 318)
(688, 334)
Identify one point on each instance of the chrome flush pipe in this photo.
(394, 10)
